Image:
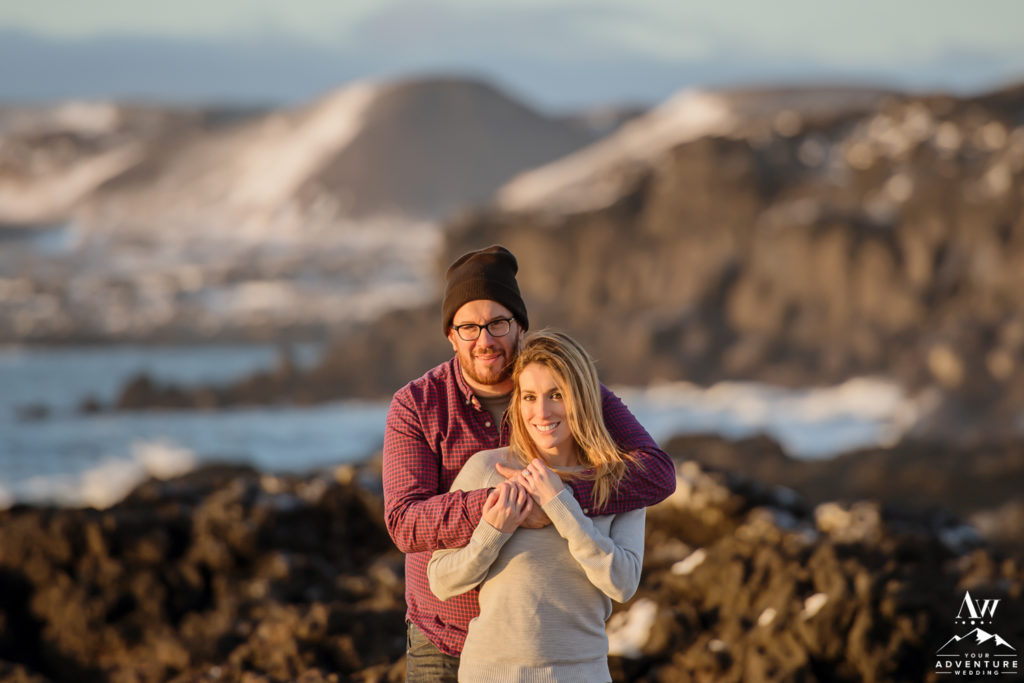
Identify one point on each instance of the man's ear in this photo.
(451, 339)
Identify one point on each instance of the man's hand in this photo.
(507, 506)
(506, 471)
(537, 518)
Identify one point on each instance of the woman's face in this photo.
(545, 413)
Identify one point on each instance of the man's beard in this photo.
(490, 377)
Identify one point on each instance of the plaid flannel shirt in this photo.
(434, 424)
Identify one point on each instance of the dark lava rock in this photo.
(227, 574)
(737, 591)
(32, 412)
(374, 360)
(223, 574)
(926, 479)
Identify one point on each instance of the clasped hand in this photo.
(507, 506)
(516, 502)
(540, 481)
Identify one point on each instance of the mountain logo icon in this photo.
(977, 640)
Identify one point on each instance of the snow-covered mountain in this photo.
(415, 149)
(141, 222)
(602, 173)
(54, 156)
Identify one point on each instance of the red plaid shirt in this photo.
(434, 424)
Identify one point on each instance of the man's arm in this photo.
(418, 516)
(650, 478)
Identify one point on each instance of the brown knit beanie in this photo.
(485, 274)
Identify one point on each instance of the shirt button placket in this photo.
(492, 432)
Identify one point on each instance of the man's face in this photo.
(487, 360)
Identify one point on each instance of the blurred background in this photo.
(223, 227)
(791, 234)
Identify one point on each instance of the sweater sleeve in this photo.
(456, 571)
(611, 561)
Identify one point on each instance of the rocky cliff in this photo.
(795, 238)
(790, 243)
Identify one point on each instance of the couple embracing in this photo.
(515, 483)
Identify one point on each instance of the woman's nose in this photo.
(543, 407)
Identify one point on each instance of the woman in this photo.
(545, 594)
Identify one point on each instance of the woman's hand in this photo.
(540, 481)
(507, 506)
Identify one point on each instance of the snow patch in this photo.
(629, 631)
(767, 617)
(87, 118)
(813, 605)
(269, 173)
(686, 566)
(35, 199)
(585, 180)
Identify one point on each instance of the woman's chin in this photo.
(545, 447)
(548, 451)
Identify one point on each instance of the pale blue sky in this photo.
(558, 53)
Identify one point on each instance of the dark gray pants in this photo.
(424, 663)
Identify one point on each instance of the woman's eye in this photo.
(557, 396)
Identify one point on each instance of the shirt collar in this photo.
(460, 380)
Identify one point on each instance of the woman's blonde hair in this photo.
(576, 377)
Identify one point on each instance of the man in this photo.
(435, 423)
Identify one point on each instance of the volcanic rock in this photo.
(216, 575)
(227, 573)
(923, 478)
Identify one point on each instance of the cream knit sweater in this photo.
(545, 594)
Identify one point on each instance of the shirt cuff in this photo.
(475, 503)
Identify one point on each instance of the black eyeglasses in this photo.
(496, 328)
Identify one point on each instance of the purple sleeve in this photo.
(418, 516)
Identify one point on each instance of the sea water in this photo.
(51, 452)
